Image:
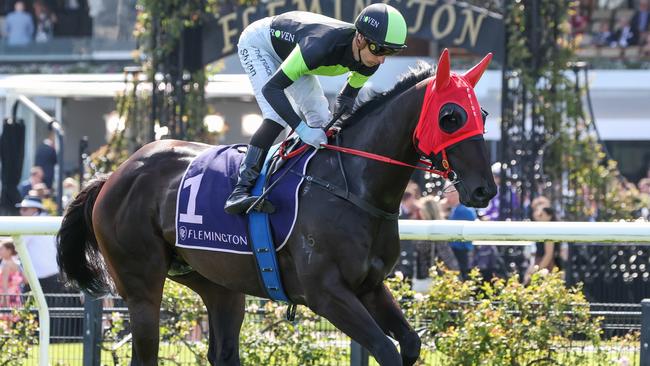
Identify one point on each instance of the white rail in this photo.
(597, 232)
(435, 230)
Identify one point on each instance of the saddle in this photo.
(202, 224)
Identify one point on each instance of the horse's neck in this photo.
(387, 132)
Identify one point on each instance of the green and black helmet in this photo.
(384, 27)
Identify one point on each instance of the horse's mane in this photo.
(374, 99)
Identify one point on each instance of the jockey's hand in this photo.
(311, 136)
(344, 104)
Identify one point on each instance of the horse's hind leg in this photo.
(139, 267)
(225, 312)
(143, 295)
(384, 309)
(145, 316)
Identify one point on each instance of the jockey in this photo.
(282, 56)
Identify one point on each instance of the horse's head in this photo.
(450, 131)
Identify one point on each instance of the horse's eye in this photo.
(452, 117)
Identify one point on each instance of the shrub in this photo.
(17, 334)
(502, 322)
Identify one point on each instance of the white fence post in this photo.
(43, 311)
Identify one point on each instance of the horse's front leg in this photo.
(331, 298)
(387, 313)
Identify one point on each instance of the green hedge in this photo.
(473, 322)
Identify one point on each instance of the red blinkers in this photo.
(450, 112)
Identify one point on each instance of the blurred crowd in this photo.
(25, 21)
(418, 257)
(622, 26)
(38, 200)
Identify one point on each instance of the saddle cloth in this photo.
(201, 222)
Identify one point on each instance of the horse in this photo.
(338, 253)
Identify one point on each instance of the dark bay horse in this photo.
(337, 255)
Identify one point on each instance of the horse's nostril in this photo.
(481, 194)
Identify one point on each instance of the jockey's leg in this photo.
(260, 62)
(240, 199)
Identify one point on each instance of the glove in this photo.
(311, 136)
(343, 104)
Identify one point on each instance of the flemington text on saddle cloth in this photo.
(201, 222)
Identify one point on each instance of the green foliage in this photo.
(582, 180)
(159, 29)
(267, 338)
(502, 322)
(17, 334)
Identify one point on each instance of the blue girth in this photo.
(262, 241)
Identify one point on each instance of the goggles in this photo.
(379, 50)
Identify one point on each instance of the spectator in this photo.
(431, 252)
(70, 190)
(537, 202)
(644, 185)
(645, 46)
(409, 210)
(624, 35)
(40, 190)
(46, 157)
(44, 22)
(641, 19)
(19, 26)
(408, 207)
(35, 177)
(42, 252)
(491, 212)
(579, 19)
(489, 262)
(487, 257)
(458, 211)
(41, 248)
(11, 279)
(603, 36)
(546, 253)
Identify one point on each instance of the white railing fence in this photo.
(621, 232)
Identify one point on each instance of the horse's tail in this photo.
(78, 254)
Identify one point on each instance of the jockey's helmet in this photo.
(383, 27)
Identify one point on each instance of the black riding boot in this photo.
(240, 199)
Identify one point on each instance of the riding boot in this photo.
(240, 199)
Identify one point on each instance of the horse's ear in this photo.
(443, 71)
(474, 74)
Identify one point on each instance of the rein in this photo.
(381, 158)
(384, 159)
